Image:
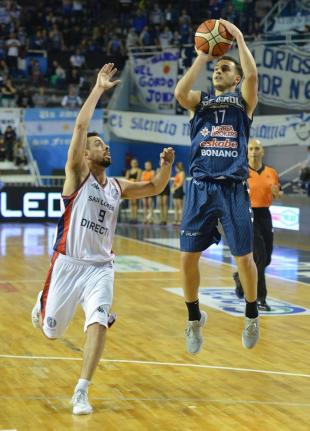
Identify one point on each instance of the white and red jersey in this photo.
(86, 228)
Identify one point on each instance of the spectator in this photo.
(19, 154)
(146, 37)
(13, 45)
(55, 39)
(178, 192)
(36, 77)
(305, 173)
(2, 149)
(165, 38)
(75, 78)
(77, 59)
(24, 98)
(9, 142)
(38, 40)
(115, 46)
(134, 174)
(132, 40)
(72, 99)
(40, 99)
(8, 92)
(163, 200)
(157, 15)
(58, 75)
(176, 39)
(171, 16)
(4, 70)
(139, 21)
(147, 175)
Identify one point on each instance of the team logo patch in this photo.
(114, 193)
(101, 309)
(95, 185)
(51, 322)
(224, 299)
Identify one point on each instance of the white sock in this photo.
(82, 385)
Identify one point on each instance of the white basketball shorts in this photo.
(71, 282)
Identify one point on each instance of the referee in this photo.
(264, 186)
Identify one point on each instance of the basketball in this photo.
(212, 38)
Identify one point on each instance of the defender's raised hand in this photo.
(167, 156)
(105, 75)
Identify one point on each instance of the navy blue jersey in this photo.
(219, 134)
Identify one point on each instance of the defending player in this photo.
(220, 124)
(82, 270)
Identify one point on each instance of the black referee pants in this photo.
(262, 247)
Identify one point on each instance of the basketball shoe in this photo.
(36, 311)
(193, 333)
(80, 403)
(250, 334)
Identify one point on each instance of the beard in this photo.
(105, 163)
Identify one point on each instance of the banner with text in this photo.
(49, 134)
(154, 80)
(175, 129)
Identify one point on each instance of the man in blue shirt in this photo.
(220, 123)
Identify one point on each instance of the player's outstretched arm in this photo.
(183, 92)
(77, 146)
(249, 87)
(142, 189)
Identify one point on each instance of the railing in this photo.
(31, 161)
(275, 10)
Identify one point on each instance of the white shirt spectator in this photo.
(71, 101)
(13, 47)
(77, 60)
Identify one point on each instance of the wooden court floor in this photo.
(146, 381)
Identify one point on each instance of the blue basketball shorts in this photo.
(206, 204)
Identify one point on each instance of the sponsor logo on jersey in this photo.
(205, 132)
(95, 227)
(224, 131)
(219, 144)
(101, 202)
(215, 152)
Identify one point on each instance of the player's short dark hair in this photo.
(236, 63)
(90, 135)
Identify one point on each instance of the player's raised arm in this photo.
(249, 86)
(183, 92)
(142, 189)
(76, 150)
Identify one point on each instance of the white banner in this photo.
(10, 117)
(175, 129)
(154, 81)
(286, 23)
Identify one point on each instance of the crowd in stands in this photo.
(49, 48)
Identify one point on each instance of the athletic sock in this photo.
(251, 310)
(82, 385)
(193, 310)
